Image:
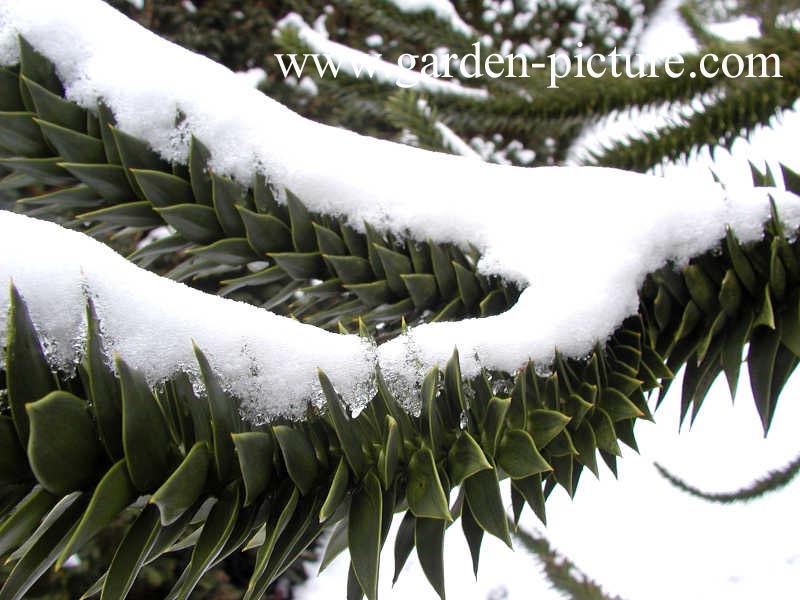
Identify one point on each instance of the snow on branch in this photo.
(334, 57)
(581, 239)
(151, 322)
(443, 9)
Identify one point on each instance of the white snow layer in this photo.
(253, 77)
(151, 321)
(443, 9)
(455, 143)
(580, 239)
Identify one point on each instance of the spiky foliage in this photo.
(194, 474)
(771, 482)
(732, 108)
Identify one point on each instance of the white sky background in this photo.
(638, 536)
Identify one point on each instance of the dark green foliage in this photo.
(734, 107)
(239, 34)
(68, 461)
(233, 32)
(520, 113)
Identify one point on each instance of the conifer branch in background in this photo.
(732, 110)
(519, 111)
(562, 574)
(771, 482)
(411, 113)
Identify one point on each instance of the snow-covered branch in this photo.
(443, 9)
(151, 322)
(581, 239)
(335, 57)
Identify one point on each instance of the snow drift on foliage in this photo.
(580, 239)
(151, 322)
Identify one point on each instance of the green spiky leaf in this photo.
(184, 486)
(68, 461)
(364, 534)
(426, 496)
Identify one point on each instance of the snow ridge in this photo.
(151, 322)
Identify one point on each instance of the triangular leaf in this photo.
(255, 451)
(68, 461)
(184, 486)
(425, 494)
